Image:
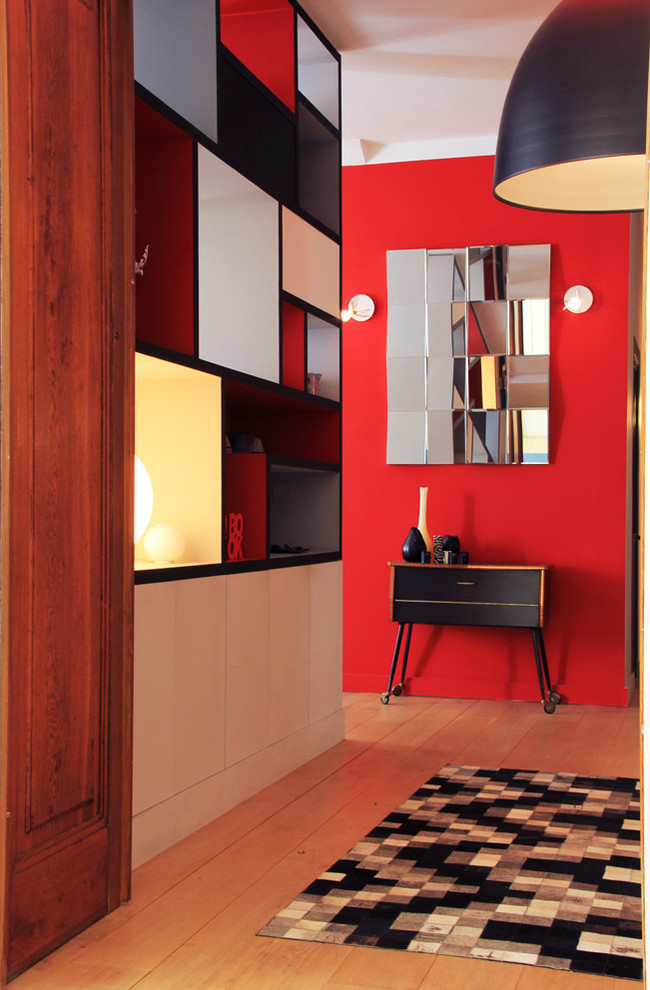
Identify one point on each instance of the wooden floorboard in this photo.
(196, 908)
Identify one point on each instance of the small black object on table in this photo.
(469, 595)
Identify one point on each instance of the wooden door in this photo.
(67, 363)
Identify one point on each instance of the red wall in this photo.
(569, 514)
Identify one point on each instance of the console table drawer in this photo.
(466, 595)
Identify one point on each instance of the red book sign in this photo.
(234, 535)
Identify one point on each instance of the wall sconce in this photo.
(578, 299)
(360, 308)
(142, 499)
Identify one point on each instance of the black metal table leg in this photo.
(399, 688)
(554, 697)
(543, 674)
(398, 642)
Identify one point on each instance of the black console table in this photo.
(469, 595)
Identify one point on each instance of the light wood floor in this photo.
(196, 908)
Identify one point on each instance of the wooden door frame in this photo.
(118, 97)
(4, 520)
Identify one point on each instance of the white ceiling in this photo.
(425, 78)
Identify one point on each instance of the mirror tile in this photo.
(441, 385)
(406, 275)
(486, 382)
(530, 326)
(487, 437)
(487, 328)
(528, 382)
(406, 384)
(406, 438)
(486, 272)
(445, 437)
(406, 330)
(446, 275)
(529, 271)
(529, 439)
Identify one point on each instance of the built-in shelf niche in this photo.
(238, 244)
(164, 223)
(318, 73)
(306, 427)
(319, 172)
(310, 264)
(262, 36)
(293, 346)
(304, 506)
(323, 356)
(176, 57)
(178, 438)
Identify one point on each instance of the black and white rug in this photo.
(513, 865)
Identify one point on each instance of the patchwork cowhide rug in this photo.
(514, 865)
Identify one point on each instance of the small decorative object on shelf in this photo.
(313, 378)
(438, 550)
(451, 549)
(422, 520)
(235, 535)
(139, 265)
(242, 443)
(413, 546)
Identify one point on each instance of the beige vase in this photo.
(422, 521)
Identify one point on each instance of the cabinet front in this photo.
(467, 595)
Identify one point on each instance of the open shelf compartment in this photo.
(304, 506)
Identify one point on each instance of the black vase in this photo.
(451, 543)
(413, 546)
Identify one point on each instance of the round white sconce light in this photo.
(142, 499)
(360, 308)
(164, 543)
(578, 299)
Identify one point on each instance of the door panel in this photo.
(67, 281)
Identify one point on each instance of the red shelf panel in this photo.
(245, 507)
(165, 221)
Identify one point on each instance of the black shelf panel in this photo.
(291, 395)
(302, 464)
(193, 571)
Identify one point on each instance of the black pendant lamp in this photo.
(573, 129)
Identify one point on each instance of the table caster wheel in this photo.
(549, 707)
(397, 690)
(555, 697)
(384, 698)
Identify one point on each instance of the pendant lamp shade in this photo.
(573, 128)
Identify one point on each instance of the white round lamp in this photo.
(164, 543)
(142, 499)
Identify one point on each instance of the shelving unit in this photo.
(238, 203)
